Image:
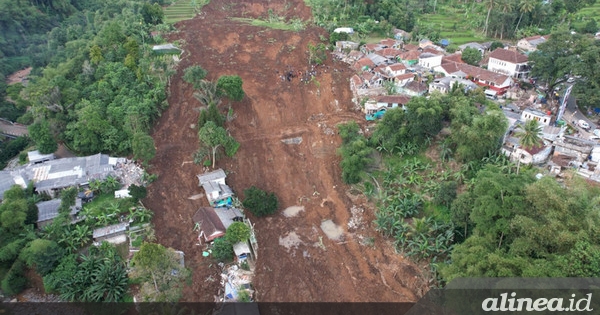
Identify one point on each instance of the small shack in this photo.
(48, 211)
(208, 223)
(35, 157)
(242, 251)
(166, 49)
(107, 233)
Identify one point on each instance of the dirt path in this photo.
(358, 266)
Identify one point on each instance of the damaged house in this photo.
(217, 191)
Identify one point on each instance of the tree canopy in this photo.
(231, 86)
(471, 56)
(161, 272)
(260, 202)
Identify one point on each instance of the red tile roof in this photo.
(388, 42)
(410, 55)
(210, 223)
(453, 58)
(409, 47)
(432, 50)
(397, 67)
(389, 52)
(361, 63)
(508, 56)
(398, 99)
(534, 150)
(475, 72)
(402, 77)
(373, 47)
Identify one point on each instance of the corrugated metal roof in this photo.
(211, 176)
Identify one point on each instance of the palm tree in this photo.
(490, 4)
(207, 93)
(525, 6)
(530, 134)
(507, 6)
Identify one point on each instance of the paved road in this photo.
(572, 115)
(13, 129)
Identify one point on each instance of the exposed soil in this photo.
(359, 265)
(19, 76)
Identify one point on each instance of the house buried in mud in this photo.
(217, 192)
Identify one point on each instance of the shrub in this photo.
(260, 202)
(222, 249)
(237, 232)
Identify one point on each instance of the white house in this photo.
(403, 79)
(534, 114)
(445, 84)
(529, 44)
(396, 69)
(217, 192)
(430, 60)
(383, 103)
(511, 63)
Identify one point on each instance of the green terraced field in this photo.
(182, 10)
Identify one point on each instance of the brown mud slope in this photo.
(297, 260)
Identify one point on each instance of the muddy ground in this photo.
(297, 260)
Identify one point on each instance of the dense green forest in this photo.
(96, 85)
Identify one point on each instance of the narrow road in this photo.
(13, 129)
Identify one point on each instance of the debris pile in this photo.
(129, 173)
(237, 284)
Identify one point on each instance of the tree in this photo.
(143, 147)
(471, 56)
(317, 54)
(231, 86)
(530, 134)
(222, 249)
(260, 202)
(214, 137)
(237, 232)
(525, 6)
(446, 193)
(137, 192)
(496, 44)
(41, 134)
(152, 13)
(489, 4)
(160, 271)
(44, 255)
(475, 135)
(555, 58)
(194, 75)
(208, 94)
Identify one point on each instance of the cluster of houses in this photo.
(212, 222)
(50, 175)
(557, 151)
(407, 68)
